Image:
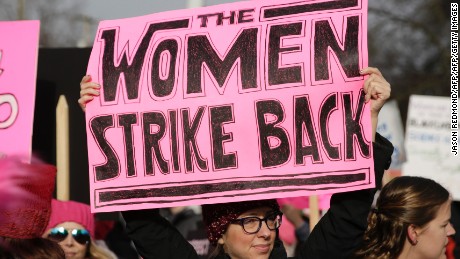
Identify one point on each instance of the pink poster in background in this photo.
(18, 71)
(250, 100)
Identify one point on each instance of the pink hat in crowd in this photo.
(71, 211)
(25, 197)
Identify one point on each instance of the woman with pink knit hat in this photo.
(72, 226)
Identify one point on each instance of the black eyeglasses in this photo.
(60, 233)
(252, 225)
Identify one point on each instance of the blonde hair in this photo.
(98, 252)
(404, 201)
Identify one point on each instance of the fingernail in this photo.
(361, 71)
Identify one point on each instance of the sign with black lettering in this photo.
(428, 142)
(250, 100)
(18, 75)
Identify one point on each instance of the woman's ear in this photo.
(412, 234)
(220, 241)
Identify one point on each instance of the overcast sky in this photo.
(115, 9)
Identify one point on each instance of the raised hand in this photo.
(376, 89)
(88, 90)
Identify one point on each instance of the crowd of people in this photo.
(411, 217)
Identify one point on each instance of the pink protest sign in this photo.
(18, 71)
(250, 100)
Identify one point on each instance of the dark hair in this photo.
(33, 248)
(217, 251)
(217, 217)
(404, 201)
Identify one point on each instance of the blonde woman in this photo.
(71, 225)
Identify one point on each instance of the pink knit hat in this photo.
(217, 217)
(71, 211)
(25, 197)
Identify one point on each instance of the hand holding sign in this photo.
(375, 87)
(378, 90)
(198, 108)
(88, 90)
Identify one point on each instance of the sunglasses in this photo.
(60, 233)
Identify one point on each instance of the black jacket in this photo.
(337, 234)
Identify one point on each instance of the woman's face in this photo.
(432, 239)
(72, 249)
(239, 245)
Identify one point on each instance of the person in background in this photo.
(110, 233)
(411, 220)
(31, 248)
(299, 228)
(455, 240)
(26, 190)
(71, 225)
(190, 224)
(296, 219)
